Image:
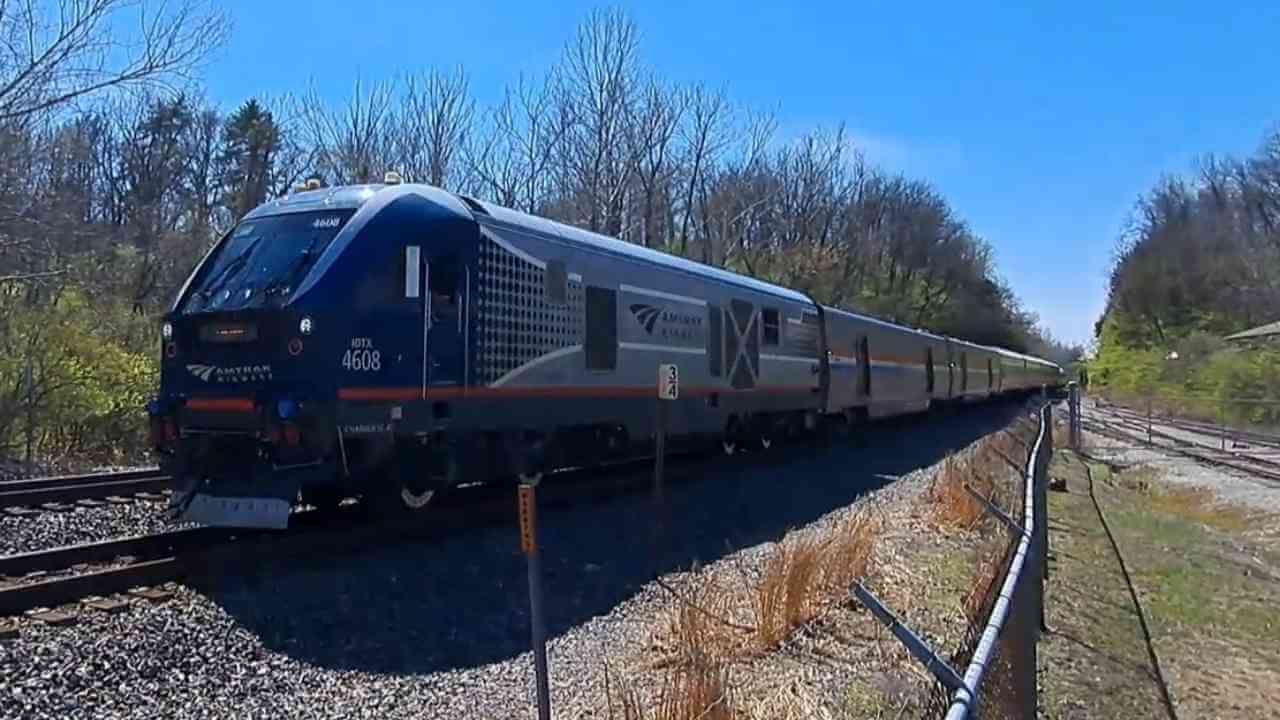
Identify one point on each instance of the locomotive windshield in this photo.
(263, 260)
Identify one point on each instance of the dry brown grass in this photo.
(701, 627)
(694, 692)
(991, 467)
(953, 506)
(802, 576)
(1191, 502)
(807, 573)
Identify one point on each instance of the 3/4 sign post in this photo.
(668, 390)
(668, 382)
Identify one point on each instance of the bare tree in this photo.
(54, 52)
(652, 145)
(598, 88)
(433, 124)
(512, 157)
(704, 134)
(351, 145)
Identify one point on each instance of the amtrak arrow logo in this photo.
(646, 315)
(201, 371)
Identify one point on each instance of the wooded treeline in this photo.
(116, 174)
(1200, 260)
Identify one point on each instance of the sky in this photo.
(1041, 124)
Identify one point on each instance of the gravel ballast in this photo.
(441, 630)
(81, 525)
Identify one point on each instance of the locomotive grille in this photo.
(517, 320)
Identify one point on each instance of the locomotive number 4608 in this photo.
(362, 360)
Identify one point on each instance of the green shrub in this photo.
(69, 383)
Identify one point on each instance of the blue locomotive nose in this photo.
(245, 351)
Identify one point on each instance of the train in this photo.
(390, 341)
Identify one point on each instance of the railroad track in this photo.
(1203, 439)
(1218, 431)
(1261, 470)
(51, 494)
(56, 584)
(59, 583)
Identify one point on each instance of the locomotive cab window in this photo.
(602, 329)
(443, 284)
(772, 326)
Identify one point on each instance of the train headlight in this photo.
(166, 331)
(287, 409)
(306, 325)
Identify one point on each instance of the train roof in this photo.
(496, 214)
(885, 323)
(355, 196)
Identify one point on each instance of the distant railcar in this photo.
(389, 341)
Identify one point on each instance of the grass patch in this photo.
(1208, 585)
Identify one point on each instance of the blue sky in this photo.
(1041, 124)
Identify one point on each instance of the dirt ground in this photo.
(1207, 576)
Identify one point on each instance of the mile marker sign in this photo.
(668, 382)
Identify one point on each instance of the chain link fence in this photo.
(998, 657)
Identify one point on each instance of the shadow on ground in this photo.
(459, 603)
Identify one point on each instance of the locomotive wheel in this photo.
(323, 498)
(401, 492)
(763, 435)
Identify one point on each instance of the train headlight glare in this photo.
(306, 326)
(166, 331)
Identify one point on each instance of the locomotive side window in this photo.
(442, 283)
(715, 345)
(602, 328)
(864, 358)
(557, 278)
(772, 326)
(928, 370)
(412, 271)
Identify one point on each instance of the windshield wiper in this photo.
(233, 267)
(285, 280)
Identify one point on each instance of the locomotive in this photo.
(389, 341)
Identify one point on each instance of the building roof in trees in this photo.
(1262, 332)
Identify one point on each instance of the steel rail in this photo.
(78, 479)
(205, 554)
(71, 488)
(1109, 430)
(1198, 426)
(1181, 445)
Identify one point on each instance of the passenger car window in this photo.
(772, 328)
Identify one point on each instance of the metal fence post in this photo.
(1148, 422)
(1222, 420)
(1073, 416)
(528, 506)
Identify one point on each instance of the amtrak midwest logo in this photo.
(667, 323)
(238, 373)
